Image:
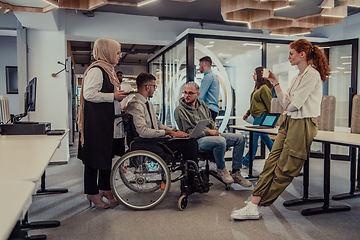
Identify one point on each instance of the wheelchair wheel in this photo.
(140, 180)
(182, 202)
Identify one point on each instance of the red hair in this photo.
(314, 53)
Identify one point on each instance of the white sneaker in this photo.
(238, 178)
(225, 176)
(250, 211)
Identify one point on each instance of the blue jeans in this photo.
(218, 145)
(264, 137)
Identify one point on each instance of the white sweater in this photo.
(304, 95)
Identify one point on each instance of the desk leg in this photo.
(43, 190)
(352, 192)
(17, 233)
(326, 207)
(305, 199)
(39, 224)
(251, 159)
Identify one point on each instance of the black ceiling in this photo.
(132, 54)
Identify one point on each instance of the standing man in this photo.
(126, 87)
(189, 112)
(119, 133)
(209, 88)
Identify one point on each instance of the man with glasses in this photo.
(189, 112)
(209, 87)
(148, 125)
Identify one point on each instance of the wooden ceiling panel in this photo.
(260, 15)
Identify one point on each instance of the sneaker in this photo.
(225, 176)
(238, 178)
(250, 211)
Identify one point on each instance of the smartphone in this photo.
(131, 92)
(266, 72)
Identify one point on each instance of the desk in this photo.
(14, 206)
(340, 138)
(25, 158)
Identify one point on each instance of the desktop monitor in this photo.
(31, 95)
(29, 101)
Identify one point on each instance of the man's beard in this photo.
(189, 103)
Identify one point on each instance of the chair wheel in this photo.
(182, 202)
(227, 188)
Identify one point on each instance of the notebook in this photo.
(268, 121)
(198, 129)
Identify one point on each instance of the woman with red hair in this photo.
(292, 144)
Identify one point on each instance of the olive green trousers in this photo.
(286, 159)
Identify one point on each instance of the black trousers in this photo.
(188, 147)
(95, 179)
(213, 114)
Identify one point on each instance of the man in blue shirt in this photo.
(209, 88)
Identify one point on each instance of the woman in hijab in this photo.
(96, 121)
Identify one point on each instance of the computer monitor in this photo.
(29, 101)
(31, 95)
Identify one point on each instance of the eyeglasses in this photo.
(189, 93)
(155, 86)
(121, 54)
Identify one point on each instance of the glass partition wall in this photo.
(234, 61)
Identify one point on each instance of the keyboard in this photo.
(56, 132)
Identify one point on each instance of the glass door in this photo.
(342, 84)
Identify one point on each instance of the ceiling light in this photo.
(144, 2)
(304, 33)
(252, 44)
(345, 57)
(323, 47)
(334, 72)
(347, 72)
(225, 55)
(7, 10)
(277, 46)
(335, 16)
(53, 3)
(346, 63)
(280, 8)
(211, 42)
(340, 68)
(209, 46)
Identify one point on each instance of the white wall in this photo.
(9, 58)
(45, 49)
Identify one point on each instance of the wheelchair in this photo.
(141, 179)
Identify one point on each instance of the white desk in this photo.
(340, 138)
(25, 158)
(14, 204)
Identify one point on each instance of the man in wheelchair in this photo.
(189, 112)
(149, 127)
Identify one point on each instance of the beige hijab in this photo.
(104, 53)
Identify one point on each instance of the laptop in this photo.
(197, 130)
(268, 121)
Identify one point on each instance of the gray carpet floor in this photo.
(206, 217)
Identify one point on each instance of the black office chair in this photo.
(141, 178)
